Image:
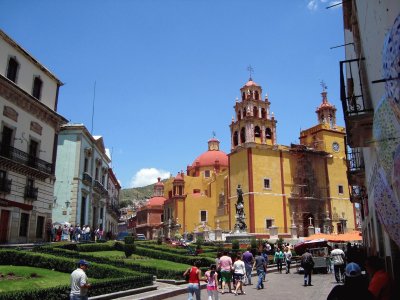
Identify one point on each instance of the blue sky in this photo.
(167, 72)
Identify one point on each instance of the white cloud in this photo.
(312, 5)
(148, 176)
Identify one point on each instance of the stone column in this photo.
(273, 231)
(293, 231)
(218, 232)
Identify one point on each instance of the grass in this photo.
(142, 260)
(45, 278)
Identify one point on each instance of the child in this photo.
(212, 282)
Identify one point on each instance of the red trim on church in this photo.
(251, 195)
(328, 190)
(229, 192)
(283, 193)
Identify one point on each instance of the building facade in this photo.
(112, 205)
(284, 187)
(370, 92)
(29, 128)
(82, 177)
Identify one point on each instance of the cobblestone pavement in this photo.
(282, 287)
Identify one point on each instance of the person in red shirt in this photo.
(380, 284)
(194, 274)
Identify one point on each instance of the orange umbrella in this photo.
(345, 237)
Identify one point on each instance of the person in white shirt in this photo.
(239, 270)
(288, 259)
(338, 259)
(79, 282)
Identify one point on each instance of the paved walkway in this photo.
(277, 287)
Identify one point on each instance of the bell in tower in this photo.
(326, 112)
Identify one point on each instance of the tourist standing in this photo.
(260, 265)
(278, 259)
(212, 282)
(79, 282)
(307, 263)
(288, 259)
(65, 233)
(338, 258)
(219, 254)
(239, 270)
(248, 260)
(380, 284)
(225, 264)
(87, 233)
(355, 286)
(194, 274)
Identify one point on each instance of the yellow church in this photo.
(284, 187)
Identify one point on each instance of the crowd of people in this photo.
(71, 233)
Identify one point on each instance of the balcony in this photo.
(5, 186)
(355, 167)
(99, 188)
(31, 193)
(358, 113)
(87, 179)
(21, 161)
(357, 194)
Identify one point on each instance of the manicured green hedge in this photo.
(159, 254)
(135, 266)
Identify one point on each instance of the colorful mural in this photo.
(386, 131)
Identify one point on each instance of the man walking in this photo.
(260, 265)
(338, 256)
(248, 260)
(307, 263)
(79, 282)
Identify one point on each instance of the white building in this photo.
(29, 128)
(82, 176)
(370, 91)
(112, 205)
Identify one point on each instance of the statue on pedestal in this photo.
(240, 225)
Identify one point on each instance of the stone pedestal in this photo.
(293, 231)
(195, 234)
(206, 235)
(218, 234)
(273, 231)
(311, 230)
(243, 238)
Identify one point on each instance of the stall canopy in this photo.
(353, 236)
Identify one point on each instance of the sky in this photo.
(163, 75)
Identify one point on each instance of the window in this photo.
(207, 173)
(268, 223)
(340, 189)
(23, 225)
(203, 216)
(37, 87)
(268, 133)
(242, 135)
(86, 165)
(12, 69)
(235, 138)
(39, 227)
(257, 132)
(267, 183)
(96, 176)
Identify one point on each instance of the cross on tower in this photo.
(251, 71)
(324, 86)
(310, 220)
(214, 134)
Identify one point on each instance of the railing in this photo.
(355, 160)
(86, 178)
(25, 159)
(98, 187)
(352, 97)
(31, 192)
(5, 185)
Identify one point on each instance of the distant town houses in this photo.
(51, 172)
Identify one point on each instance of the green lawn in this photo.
(142, 260)
(45, 278)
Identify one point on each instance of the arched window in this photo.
(235, 139)
(256, 95)
(263, 113)
(37, 87)
(257, 132)
(242, 135)
(243, 96)
(12, 69)
(268, 133)
(255, 111)
(239, 115)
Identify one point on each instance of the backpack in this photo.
(308, 261)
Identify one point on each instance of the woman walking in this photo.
(278, 259)
(239, 270)
(194, 274)
(288, 259)
(212, 282)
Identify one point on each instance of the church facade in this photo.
(283, 186)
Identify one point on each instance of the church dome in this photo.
(250, 83)
(209, 158)
(156, 201)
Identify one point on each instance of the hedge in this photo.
(189, 260)
(160, 273)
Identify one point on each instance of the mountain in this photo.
(137, 194)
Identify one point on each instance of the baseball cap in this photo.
(83, 262)
(353, 270)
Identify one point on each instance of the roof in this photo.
(156, 201)
(210, 157)
(250, 83)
